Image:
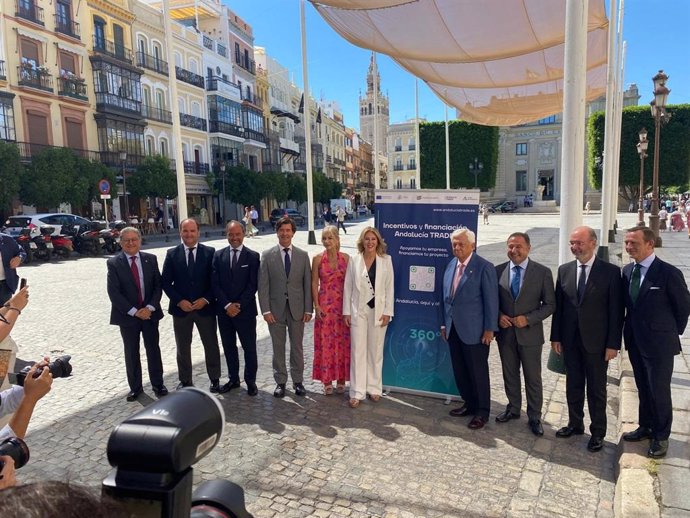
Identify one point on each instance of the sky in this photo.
(337, 69)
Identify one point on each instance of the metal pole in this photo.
(574, 88)
(640, 208)
(447, 149)
(654, 213)
(617, 121)
(307, 129)
(418, 174)
(222, 204)
(377, 175)
(124, 188)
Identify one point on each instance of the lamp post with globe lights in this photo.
(642, 150)
(660, 117)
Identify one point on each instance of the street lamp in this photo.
(476, 169)
(222, 205)
(660, 116)
(123, 159)
(642, 150)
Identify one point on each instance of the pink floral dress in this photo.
(331, 335)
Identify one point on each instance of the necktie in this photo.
(137, 280)
(581, 283)
(234, 258)
(287, 261)
(458, 275)
(190, 259)
(635, 282)
(515, 283)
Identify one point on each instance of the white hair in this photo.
(462, 230)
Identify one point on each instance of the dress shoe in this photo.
(596, 443)
(251, 389)
(477, 422)
(657, 449)
(460, 412)
(160, 391)
(182, 385)
(638, 435)
(299, 389)
(133, 395)
(229, 386)
(567, 431)
(215, 387)
(506, 416)
(280, 390)
(536, 427)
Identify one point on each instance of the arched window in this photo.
(164, 147)
(99, 33)
(196, 109)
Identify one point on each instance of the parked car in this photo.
(14, 224)
(506, 206)
(276, 214)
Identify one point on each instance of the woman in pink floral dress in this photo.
(331, 336)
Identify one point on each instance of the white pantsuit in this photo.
(367, 334)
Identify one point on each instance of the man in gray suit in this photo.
(525, 299)
(286, 303)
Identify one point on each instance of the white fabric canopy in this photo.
(500, 62)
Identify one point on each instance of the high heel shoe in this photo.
(328, 389)
(354, 403)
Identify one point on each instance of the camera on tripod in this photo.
(152, 453)
(60, 368)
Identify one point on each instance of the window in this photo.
(119, 36)
(237, 53)
(521, 181)
(98, 33)
(521, 148)
(6, 117)
(547, 120)
(149, 146)
(164, 147)
(67, 65)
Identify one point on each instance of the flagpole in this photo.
(307, 130)
(377, 176)
(418, 175)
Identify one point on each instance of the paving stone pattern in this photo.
(314, 456)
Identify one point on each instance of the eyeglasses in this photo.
(130, 240)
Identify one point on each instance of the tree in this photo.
(153, 178)
(276, 186)
(10, 175)
(467, 142)
(674, 158)
(48, 178)
(242, 185)
(83, 187)
(297, 188)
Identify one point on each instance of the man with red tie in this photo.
(134, 289)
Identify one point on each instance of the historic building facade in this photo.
(369, 111)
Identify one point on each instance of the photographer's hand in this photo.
(20, 299)
(7, 475)
(34, 389)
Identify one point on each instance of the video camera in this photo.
(152, 453)
(60, 368)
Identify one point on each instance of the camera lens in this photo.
(15, 448)
(61, 367)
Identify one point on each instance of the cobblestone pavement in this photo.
(314, 456)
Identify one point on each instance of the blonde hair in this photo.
(380, 247)
(333, 232)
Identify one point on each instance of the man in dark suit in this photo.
(658, 304)
(134, 289)
(12, 256)
(586, 328)
(469, 320)
(525, 299)
(286, 304)
(235, 281)
(186, 281)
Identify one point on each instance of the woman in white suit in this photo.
(367, 309)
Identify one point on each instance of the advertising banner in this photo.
(416, 226)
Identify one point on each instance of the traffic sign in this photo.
(105, 196)
(104, 186)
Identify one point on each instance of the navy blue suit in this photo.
(237, 285)
(180, 283)
(123, 295)
(472, 310)
(652, 326)
(8, 250)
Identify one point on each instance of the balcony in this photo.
(106, 102)
(398, 167)
(208, 43)
(35, 78)
(250, 98)
(191, 121)
(195, 167)
(3, 74)
(189, 77)
(216, 126)
(156, 114)
(29, 11)
(248, 64)
(222, 50)
(398, 148)
(226, 88)
(411, 147)
(152, 63)
(74, 87)
(112, 49)
(411, 167)
(112, 159)
(67, 27)
(28, 150)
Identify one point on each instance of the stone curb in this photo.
(635, 473)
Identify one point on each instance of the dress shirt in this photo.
(232, 252)
(186, 252)
(523, 269)
(644, 266)
(133, 311)
(282, 253)
(588, 269)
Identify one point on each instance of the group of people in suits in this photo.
(593, 305)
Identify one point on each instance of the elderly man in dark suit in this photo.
(286, 304)
(586, 328)
(134, 289)
(235, 281)
(12, 256)
(526, 298)
(470, 318)
(658, 304)
(186, 281)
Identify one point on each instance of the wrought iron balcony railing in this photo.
(35, 78)
(189, 77)
(72, 87)
(152, 63)
(112, 49)
(156, 114)
(66, 26)
(191, 121)
(195, 168)
(28, 10)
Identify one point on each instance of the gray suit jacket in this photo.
(536, 301)
(275, 288)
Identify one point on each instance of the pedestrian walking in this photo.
(340, 218)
